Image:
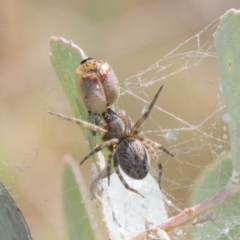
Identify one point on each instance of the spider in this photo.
(128, 149)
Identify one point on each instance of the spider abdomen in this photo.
(133, 158)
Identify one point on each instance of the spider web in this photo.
(188, 119)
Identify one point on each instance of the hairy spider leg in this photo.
(82, 123)
(146, 114)
(100, 147)
(115, 162)
(110, 157)
(150, 150)
(160, 175)
(153, 144)
(153, 155)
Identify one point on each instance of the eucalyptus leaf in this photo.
(226, 223)
(78, 224)
(12, 222)
(228, 54)
(66, 57)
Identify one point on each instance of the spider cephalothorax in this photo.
(128, 149)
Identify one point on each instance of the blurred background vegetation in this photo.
(130, 35)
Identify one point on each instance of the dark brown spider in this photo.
(128, 149)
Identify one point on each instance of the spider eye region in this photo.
(110, 115)
(133, 158)
(97, 84)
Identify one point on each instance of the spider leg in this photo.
(150, 150)
(146, 114)
(100, 147)
(126, 120)
(153, 155)
(82, 123)
(122, 179)
(160, 175)
(153, 144)
(109, 166)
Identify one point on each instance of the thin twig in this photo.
(189, 214)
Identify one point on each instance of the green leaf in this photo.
(66, 57)
(226, 225)
(78, 224)
(12, 222)
(228, 53)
